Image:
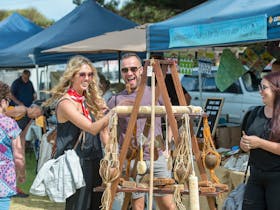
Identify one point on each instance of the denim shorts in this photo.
(160, 171)
(5, 203)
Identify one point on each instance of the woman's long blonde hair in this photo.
(93, 95)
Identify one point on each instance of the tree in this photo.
(30, 13)
(139, 11)
(177, 5)
(78, 2)
(146, 11)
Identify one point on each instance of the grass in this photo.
(32, 202)
(30, 162)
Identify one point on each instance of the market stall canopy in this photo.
(87, 20)
(16, 28)
(130, 40)
(217, 23)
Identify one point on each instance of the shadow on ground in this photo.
(35, 203)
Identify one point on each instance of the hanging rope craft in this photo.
(109, 165)
(182, 158)
(211, 159)
(182, 162)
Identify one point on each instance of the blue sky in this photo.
(52, 9)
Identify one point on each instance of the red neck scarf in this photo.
(80, 99)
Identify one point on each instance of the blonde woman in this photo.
(80, 106)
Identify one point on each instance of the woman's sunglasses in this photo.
(84, 74)
(132, 69)
(262, 87)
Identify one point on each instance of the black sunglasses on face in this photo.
(7, 99)
(84, 74)
(132, 69)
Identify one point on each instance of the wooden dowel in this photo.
(159, 110)
(152, 144)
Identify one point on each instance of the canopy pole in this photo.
(32, 57)
(152, 140)
(119, 63)
(37, 78)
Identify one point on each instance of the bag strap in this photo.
(246, 171)
(81, 137)
(247, 121)
(249, 118)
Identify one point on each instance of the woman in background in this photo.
(80, 107)
(262, 139)
(12, 162)
(105, 87)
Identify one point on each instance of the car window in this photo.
(209, 85)
(234, 88)
(190, 83)
(251, 81)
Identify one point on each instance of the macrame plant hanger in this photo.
(109, 166)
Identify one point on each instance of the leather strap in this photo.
(147, 126)
(81, 137)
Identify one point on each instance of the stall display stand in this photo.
(169, 111)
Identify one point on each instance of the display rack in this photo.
(159, 69)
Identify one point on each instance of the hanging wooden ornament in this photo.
(141, 164)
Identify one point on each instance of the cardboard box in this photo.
(227, 137)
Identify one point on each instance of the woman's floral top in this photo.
(9, 130)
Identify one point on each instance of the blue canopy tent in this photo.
(217, 23)
(87, 20)
(16, 28)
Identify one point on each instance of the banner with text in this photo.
(243, 29)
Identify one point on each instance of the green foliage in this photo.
(36, 17)
(30, 171)
(177, 5)
(139, 11)
(30, 13)
(146, 11)
(4, 14)
(230, 69)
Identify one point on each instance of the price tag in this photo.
(149, 71)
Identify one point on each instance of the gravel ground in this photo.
(35, 203)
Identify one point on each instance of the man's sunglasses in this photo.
(8, 100)
(132, 69)
(84, 74)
